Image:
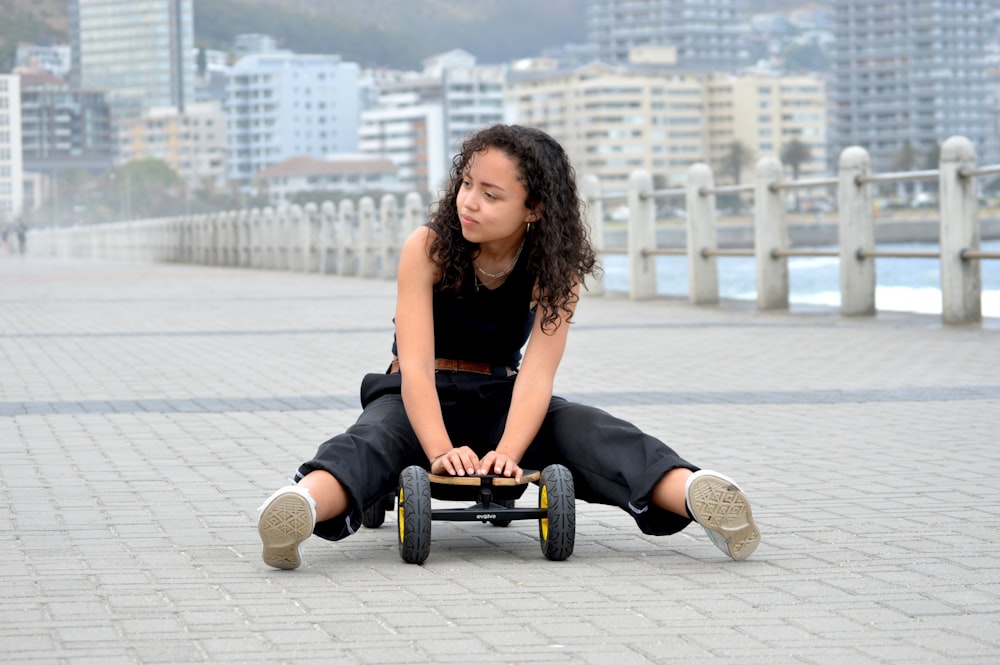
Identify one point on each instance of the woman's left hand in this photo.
(500, 464)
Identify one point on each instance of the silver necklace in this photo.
(493, 277)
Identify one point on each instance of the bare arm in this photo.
(530, 401)
(415, 347)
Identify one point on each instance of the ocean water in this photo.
(904, 285)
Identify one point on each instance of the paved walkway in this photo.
(146, 410)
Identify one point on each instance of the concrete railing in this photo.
(349, 239)
(959, 235)
(343, 239)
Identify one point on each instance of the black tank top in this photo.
(484, 325)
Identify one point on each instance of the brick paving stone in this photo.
(146, 410)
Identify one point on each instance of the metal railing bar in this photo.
(665, 193)
(967, 254)
(707, 252)
(725, 189)
(779, 253)
(806, 182)
(902, 176)
(982, 170)
(896, 254)
(665, 251)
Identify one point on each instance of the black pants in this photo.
(611, 460)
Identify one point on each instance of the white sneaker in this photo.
(286, 520)
(719, 505)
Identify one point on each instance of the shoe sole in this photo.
(720, 506)
(283, 525)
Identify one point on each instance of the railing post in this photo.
(389, 236)
(961, 281)
(857, 232)
(414, 212)
(366, 237)
(269, 238)
(295, 238)
(641, 236)
(243, 237)
(327, 240)
(345, 238)
(590, 187)
(254, 237)
(310, 238)
(770, 233)
(703, 271)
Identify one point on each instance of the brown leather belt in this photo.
(448, 365)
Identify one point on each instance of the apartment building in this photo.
(63, 127)
(339, 174)
(657, 116)
(53, 58)
(282, 105)
(419, 120)
(764, 112)
(140, 52)
(912, 72)
(11, 166)
(412, 136)
(614, 120)
(706, 33)
(193, 142)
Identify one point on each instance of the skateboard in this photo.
(494, 500)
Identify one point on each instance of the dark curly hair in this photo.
(557, 248)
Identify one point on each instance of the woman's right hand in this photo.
(456, 462)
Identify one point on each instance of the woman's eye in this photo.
(490, 196)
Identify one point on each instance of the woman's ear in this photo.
(534, 215)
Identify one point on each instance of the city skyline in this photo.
(273, 115)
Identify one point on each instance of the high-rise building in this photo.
(706, 33)
(909, 74)
(192, 143)
(137, 50)
(281, 105)
(420, 119)
(63, 127)
(662, 118)
(11, 167)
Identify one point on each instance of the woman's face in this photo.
(491, 199)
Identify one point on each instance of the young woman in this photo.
(500, 264)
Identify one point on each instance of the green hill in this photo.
(389, 33)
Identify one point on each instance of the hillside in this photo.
(397, 33)
(392, 33)
(32, 21)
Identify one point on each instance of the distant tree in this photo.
(202, 61)
(932, 158)
(146, 188)
(932, 161)
(795, 153)
(905, 160)
(807, 57)
(737, 156)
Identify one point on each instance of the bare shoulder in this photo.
(415, 257)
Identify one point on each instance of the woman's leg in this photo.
(349, 472)
(716, 503)
(613, 462)
(670, 493)
(330, 496)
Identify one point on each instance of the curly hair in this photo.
(557, 248)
